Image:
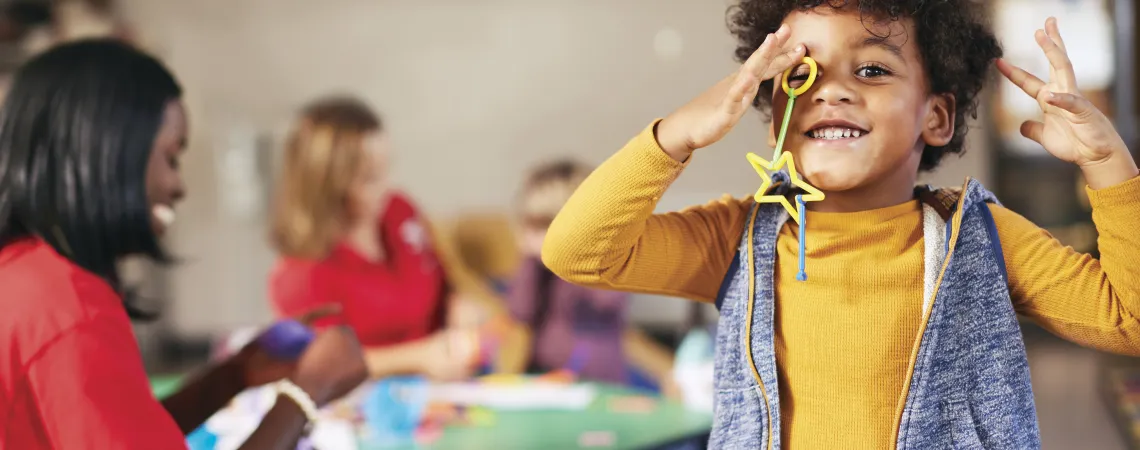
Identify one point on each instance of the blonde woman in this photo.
(346, 237)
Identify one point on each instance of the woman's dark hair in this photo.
(956, 45)
(76, 133)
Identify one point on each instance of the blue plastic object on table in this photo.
(393, 408)
(201, 439)
(286, 339)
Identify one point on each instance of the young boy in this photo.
(905, 333)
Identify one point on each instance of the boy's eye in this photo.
(799, 76)
(871, 72)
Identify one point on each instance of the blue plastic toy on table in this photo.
(393, 409)
(286, 339)
(201, 439)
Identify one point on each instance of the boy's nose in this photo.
(832, 92)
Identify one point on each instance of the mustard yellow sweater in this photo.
(842, 340)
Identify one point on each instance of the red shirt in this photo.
(399, 299)
(70, 371)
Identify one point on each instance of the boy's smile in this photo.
(835, 130)
(859, 132)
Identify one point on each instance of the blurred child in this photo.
(572, 327)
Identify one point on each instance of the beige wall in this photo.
(474, 92)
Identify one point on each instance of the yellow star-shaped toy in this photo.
(763, 167)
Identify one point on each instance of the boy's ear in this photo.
(939, 127)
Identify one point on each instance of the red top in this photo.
(399, 299)
(70, 371)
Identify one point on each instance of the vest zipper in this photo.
(955, 225)
(748, 323)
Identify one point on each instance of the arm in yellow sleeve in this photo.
(606, 236)
(1092, 302)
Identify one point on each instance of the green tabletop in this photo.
(668, 422)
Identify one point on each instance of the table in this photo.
(668, 422)
(1120, 387)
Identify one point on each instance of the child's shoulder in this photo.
(947, 200)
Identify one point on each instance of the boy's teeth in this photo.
(835, 133)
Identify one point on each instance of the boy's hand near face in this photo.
(710, 116)
(1072, 128)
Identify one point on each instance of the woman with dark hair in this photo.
(90, 137)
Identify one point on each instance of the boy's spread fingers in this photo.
(1058, 60)
(1074, 104)
(1026, 81)
(1033, 129)
(1055, 33)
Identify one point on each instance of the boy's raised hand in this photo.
(710, 116)
(1072, 128)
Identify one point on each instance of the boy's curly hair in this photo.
(956, 46)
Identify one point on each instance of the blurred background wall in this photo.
(473, 93)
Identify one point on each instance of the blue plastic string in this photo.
(802, 276)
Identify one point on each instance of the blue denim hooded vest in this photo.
(968, 385)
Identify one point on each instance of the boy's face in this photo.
(862, 126)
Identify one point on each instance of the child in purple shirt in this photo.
(572, 327)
